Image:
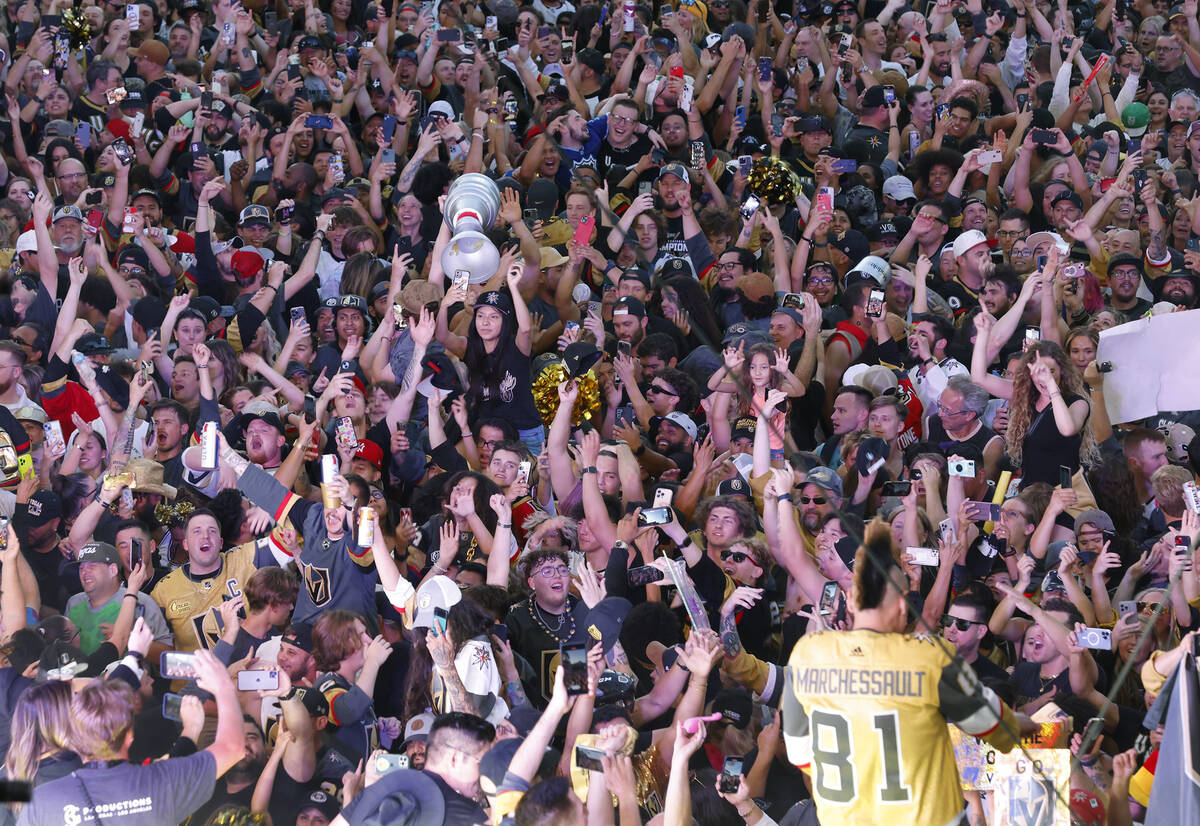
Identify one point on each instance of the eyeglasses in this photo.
(127, 270)
(735, 557)
(943, 411)
(550, 573)
(728, 266)
(1016, 253)
(929, 217)
(816, 282)
(816, 500)
(654, 388)
(958, 622)
(1010, 233)
(1126, 275)
(620, 118)
(71, 176)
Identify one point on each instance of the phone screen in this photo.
(575, 670)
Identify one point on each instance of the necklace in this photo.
(535, 612)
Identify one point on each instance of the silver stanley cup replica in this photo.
(471, 207)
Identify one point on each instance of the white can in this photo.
(366, 528)
(208, 446)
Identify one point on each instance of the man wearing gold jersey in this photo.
(865, 711)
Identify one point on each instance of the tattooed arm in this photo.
(730, 640)
(442, 652)
(1156, 247)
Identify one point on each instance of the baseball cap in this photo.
(296, 368)
(255, 214)
(628, 305)
(826, 479)
(899, 188)
(27, 241)
(670, 267)
(873, 267)
(435, 592)
(1066, 195)
(735, 487)
(1135, 118)
(1039, 238)
(605, 619)
(815, 123)
(683, 421)
(967, 241)
(30, 413)
(735, 706)
(417, 729)
(153, 50)
(325, 804)
(68, 211)
(371, 453)
(1095, 517)
(261, 410)
(44, 506)
(101, 552)
(676, 169)
(93, 344)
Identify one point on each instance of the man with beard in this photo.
(171, 431)
(820, 496)
(216, 127)
(1065, 209)
(676, 433)
(579, 140)
(851, 407)
(974, 258)
(264, 435)
(1125, 271)
(12, 363)
(191, 595)
(236, 787)
(36, 524)
(927, 341)
(1178, 287)
(629, 321)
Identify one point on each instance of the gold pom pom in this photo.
(77, 26)
(773, 180)
(545, 395)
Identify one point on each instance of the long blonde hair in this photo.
(1024, 395)
(41, 727)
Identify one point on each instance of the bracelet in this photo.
(271, 286)
(289, 695)
(131, 594)
(784, 497)
(751, 808)
(439, 568)
(507, 525)
(402, 122)
(590, 469)
(201, 366)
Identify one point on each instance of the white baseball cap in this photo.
(875, 268)
(27, 241)
(435, 592)
(967, 241)
(899, 188)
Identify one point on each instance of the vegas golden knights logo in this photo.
(317, 582)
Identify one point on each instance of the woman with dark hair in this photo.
(466, 635)
(497, 353)
(687, 300)
(466, 523)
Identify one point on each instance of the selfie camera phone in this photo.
(575, 671)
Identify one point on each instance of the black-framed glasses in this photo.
(736, 557)
(655, 388)
(958, 622)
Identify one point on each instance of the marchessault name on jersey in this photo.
(873, 682)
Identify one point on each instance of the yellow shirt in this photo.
(865, 713)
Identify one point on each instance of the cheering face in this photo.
(550, 582)
(202, 541)
(722, 527)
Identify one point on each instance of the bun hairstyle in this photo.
(874, 563)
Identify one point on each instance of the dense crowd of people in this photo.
(775, 442)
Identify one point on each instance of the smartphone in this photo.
(697, 154)
(344, 435)
(645, 575)
(589, 759)
(749, 207)
(889, 95)
(875, 304)
(124, 152)
(297, 315)
(962, 467)
(943, 111)
(947, 531)
(764, 69)
(829, 597)
(284, 215)
(575, 668)
(657, 156)
(489, 23)
(337, 168)
(897, 489)
(739, 114)
(172, 705)
(624, 348)
(1127, 606)
(583, 232)
(256, 679)
(1140, 178)
(1191, 496)
(845, 43)
(1075, 269)
(1032, 336)
(825, 199)
(1022, 102)
(655, 516)
(844, 165)
(731, 775)
(927, 557)
(1098, 639)
(1133, 145)
(95, 220)
(663, 497)
(793, 300)
(982, 511)
(1043, 136)
(1064, 476)
(450, 35)
(1041, 261)
(135, 553)
(440, 619)
(318, 122)
(385, 763)
(777, 125)
(177, 665)
(83, 134)
(206, 100)
(990, 156)
(523, 470)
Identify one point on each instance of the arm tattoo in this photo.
(457, 697)
(1155, 247)
(730, 640)
(516, 693)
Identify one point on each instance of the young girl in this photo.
(749, 375)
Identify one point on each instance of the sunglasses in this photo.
(735, 557)
(654, 388)
(1143, 606)
(958, 622)
(816, 500)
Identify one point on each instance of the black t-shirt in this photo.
(459, 809)
(1045, 449)
(608, 156)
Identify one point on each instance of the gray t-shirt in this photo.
(166, 791)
